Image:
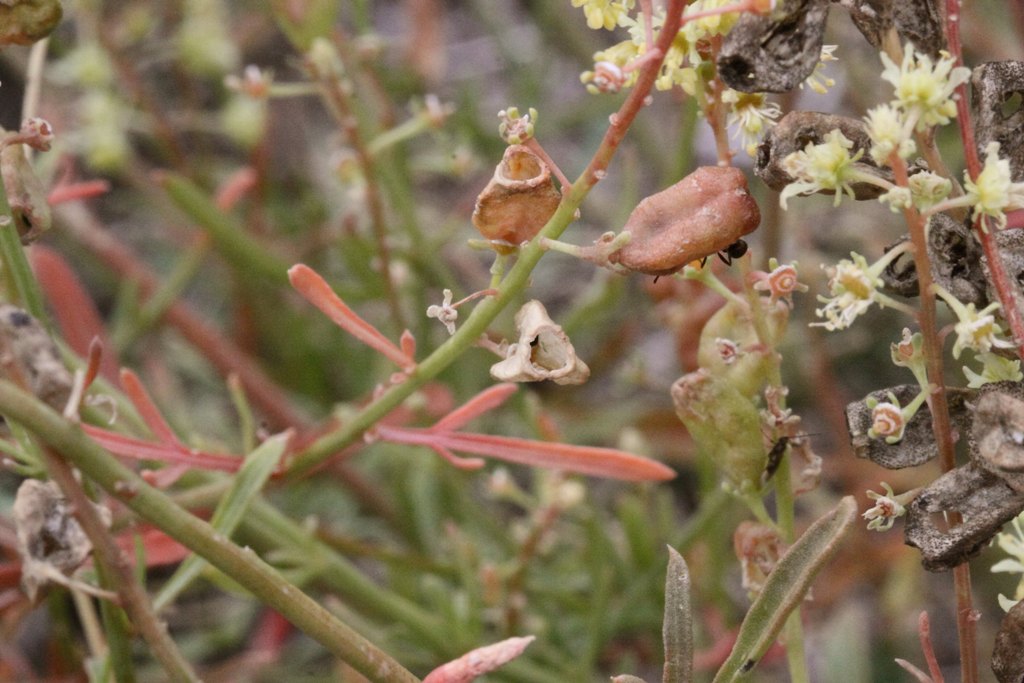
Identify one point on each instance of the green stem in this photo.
(108, 555)
(513, 284)
(20, 280)
(241, 565)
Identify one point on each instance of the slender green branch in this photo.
(16, 270)
(241, 565)
(516, 279)
(109, 555)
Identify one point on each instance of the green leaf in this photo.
(677, 629)
(785, 588)
(248, 482)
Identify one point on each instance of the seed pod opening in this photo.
(518, 201)
(702, 214)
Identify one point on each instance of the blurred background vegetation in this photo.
(136, 88)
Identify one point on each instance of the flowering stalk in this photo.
(517, 277)
(942, 428)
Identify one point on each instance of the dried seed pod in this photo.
(25, 193)
(917, 21)
(955, 256)
(518, 201)
(997, 109)
(50, 541)
(758, 548)
(27, 354)
(985, 501)
(702, 214)
(543, 351)
(1010, 244)
(1008, 653)
(796, 130)
(918, 443)
(774, 53)
(23, 22)
(997, 433)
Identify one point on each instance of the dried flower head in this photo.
(542, 352)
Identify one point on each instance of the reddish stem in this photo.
(1004, 287)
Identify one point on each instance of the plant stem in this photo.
(941, 425)
(516, 280)
(16, 271)
(109, 555)
(1004, 287)
(241, 565)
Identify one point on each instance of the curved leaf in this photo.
(677, 629)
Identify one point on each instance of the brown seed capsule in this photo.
(996, 92)
(997, 434)
(1008, 653)
(518, 201)
(702, 214)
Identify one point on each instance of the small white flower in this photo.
(853, 286)
(826, 166)
(1012, 543)
(887, 420)
(818, 81)
(515, 129)
(446, 313)
(728, 350)
(752, 114)
(925, 90)
(888, 133)
(928, 189)
(898, 198)
(975, 330)
(994, 192)
(994, 368)
(606, 14)
(885, 511)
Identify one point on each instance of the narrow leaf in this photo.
(485, 401)
(677, 629)
(137, 449)
(479, 661)
(250, 479)
(591, 460)
(144, 403)
(316, 291)
(785, 588)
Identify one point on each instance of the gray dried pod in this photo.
(29, 356)
(519, 199)
(796, 130)
(1008, 653)
(917, 21)
(985, 501)
(50, 541)
(955, 256)
(918, 443)
(542, 352)
(25, 193)
(702, 214)
(774, 53)
(995, 87)
(997, 432)
(1010, 244)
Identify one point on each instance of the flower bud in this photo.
(519, 199)
(702, 214)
